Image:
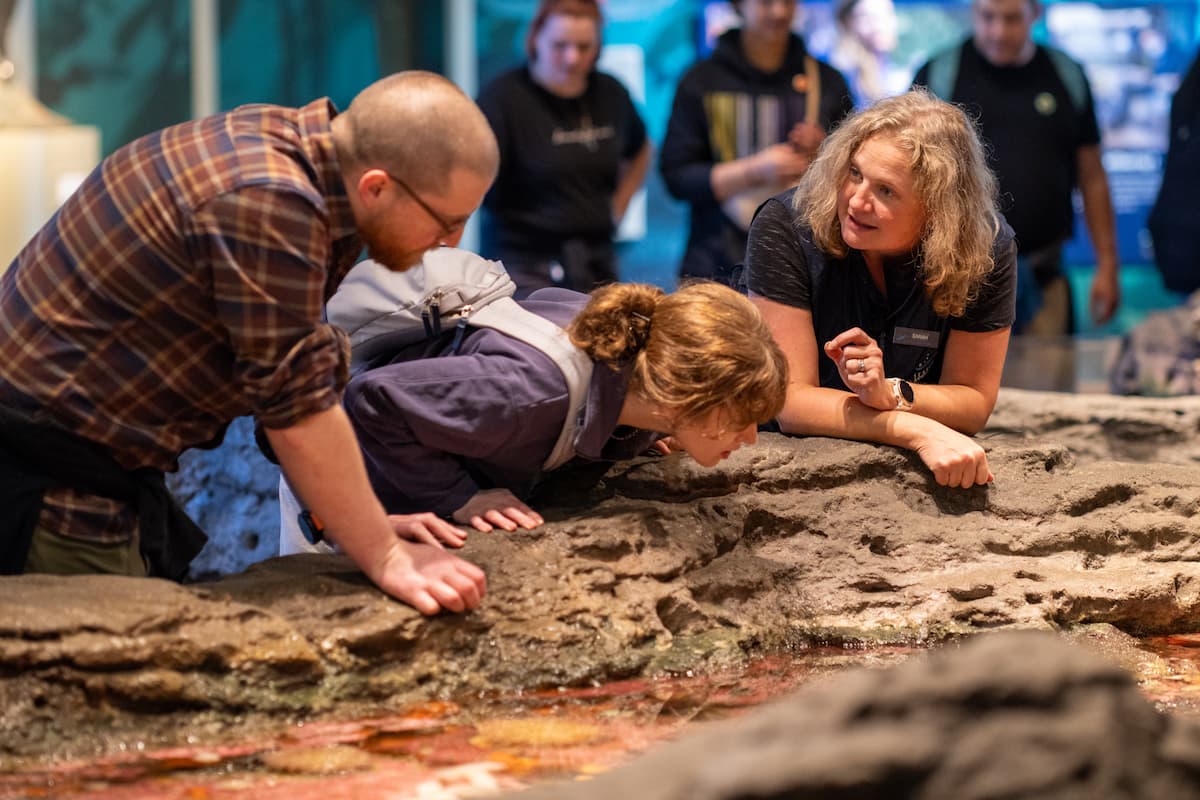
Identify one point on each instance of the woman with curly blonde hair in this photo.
(888, 277)
(464, 433)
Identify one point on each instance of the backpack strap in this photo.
(943, 73)
(507, 316)
(291, 537)
(812, 91)
(1072, 76)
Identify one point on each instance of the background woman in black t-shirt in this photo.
(573, 151)
(888, 279)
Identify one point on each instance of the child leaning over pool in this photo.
(464, 436)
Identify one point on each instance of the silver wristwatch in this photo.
(903, 392)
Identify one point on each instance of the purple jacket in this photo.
(437, 428)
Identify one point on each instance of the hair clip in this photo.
(642, 317)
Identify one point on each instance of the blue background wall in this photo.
(121, 65)
(124, 65)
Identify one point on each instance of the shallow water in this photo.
(1175, 685)
(488, 744)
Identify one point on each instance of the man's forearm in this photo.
(633, 175)
(731, 177)
(1098, 210)
(1101, 224)
(322, 462)
(320, 457)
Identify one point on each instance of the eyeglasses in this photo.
(447, 227)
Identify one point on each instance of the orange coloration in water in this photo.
(1175, 688)
(494, 743)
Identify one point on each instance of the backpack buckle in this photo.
(431, 314)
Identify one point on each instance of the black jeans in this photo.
(579, 264)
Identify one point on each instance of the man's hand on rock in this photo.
(429, 578)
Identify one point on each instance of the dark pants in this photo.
(579, 264)
(1044, 303)
(35, 457)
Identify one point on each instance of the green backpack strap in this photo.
(812, 91)
(1072, 76)
(943, 73)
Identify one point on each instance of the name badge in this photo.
(916, 337)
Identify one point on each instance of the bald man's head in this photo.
(417, 125)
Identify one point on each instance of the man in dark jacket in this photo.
(1172, 221)
(745, 124)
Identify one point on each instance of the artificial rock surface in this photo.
(1020, 715)
(664, 566)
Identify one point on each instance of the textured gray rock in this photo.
(1102, 427)
(232, 490)
(1008, 715)
(663, 566)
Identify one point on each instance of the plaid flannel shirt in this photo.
(180, 287)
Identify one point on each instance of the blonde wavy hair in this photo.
(951, 179)
(701, 348)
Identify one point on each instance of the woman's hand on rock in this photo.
(954, 459)
(497, 508)
(426, 528)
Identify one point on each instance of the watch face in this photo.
(906, 391)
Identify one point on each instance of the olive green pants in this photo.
(54, 554)
(1054, 318)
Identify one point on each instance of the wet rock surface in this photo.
(1007, 715)
(664, 566)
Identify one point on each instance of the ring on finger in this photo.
(862, 365)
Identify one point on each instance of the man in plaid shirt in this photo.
(183, 286)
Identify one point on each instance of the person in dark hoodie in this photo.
(745, 125)
(1172, 220)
